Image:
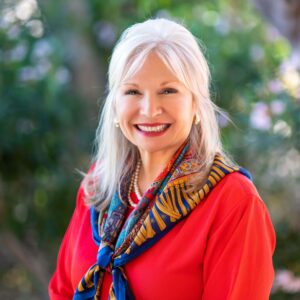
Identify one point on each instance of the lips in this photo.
(152, 129)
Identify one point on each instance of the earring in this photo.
(116, 122)
(196, 119)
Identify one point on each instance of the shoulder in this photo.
(234, 194)
(237, 187)
(238, 183)
(235, 203)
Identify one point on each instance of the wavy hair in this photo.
(175, 45)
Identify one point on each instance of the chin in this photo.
(151, 149)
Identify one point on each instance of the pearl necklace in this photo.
(134, 185)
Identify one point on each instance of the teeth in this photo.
(153, 128)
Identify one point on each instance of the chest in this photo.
(172, 268)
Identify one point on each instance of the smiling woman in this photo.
(163, 213)
(155, 112)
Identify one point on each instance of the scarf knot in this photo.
(104, 257)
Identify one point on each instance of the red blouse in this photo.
(222, 250)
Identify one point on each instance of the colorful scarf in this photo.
(167, 202)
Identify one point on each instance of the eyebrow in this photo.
(162, 84)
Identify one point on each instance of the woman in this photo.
(168, 215)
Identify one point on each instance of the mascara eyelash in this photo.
(130, 91)
(170, 91)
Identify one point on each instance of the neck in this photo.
(152, 164)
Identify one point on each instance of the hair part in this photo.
(115, 156)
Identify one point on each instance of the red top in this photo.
(222, 250)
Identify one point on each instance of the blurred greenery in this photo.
(53, 61)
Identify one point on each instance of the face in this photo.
(154, 109)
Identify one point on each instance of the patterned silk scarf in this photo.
(166, 203)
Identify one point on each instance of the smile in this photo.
(156, 128)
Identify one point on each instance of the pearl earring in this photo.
(196, 119)
(116, 122)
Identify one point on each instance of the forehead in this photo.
(149, 68)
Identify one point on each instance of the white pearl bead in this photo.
(134, 185)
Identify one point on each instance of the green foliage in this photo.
(43, 117)
(42, 130)
(287, 254)
(284, 296)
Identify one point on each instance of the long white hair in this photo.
(179, 50)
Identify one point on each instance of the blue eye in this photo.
(132, 92)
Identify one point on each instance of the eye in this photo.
(167, 91)
(132, 92)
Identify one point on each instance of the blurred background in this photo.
(53, 64)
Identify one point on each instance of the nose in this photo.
(150, 106)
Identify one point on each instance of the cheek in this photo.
(183, 110)
(125, 115)
(122, 110)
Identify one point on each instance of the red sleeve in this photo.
(238, 261)
(60, 285)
